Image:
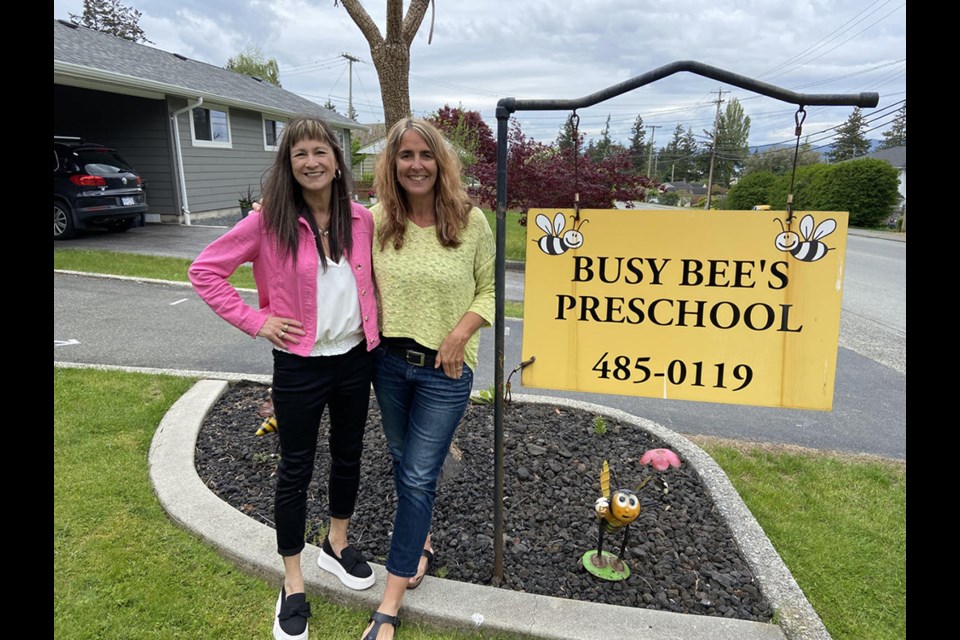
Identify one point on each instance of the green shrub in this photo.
(867, 188)
(671, 198)
(751, 190)
(807, 189)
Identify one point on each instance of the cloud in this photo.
(541, 49)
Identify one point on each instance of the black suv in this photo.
(93, 186)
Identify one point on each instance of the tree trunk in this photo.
(391, 55)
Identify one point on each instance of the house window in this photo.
(210, 127)
(271, 133)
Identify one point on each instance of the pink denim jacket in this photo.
(282, 289)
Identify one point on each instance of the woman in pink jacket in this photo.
(310, 249)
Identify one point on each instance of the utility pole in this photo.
(650, 157)
(713, 154)
(350, 59)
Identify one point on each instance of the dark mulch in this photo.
(682, 556)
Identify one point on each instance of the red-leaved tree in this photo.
(546, 176)
(468, 129)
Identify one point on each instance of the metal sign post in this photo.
(507, 106)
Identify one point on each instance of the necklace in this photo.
(318, 234)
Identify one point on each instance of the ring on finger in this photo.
(282, 333)
(286, 327)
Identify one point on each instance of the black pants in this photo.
(302, 389)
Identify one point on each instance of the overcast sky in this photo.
(485, 50)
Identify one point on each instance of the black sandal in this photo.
(428, 554)
(378, 619)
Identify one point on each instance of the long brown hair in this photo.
(450, 200)
(283, 196)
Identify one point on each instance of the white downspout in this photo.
(181, 181)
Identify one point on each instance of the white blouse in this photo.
(339, 325)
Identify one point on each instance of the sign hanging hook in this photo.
(575, 121)
(798, 117)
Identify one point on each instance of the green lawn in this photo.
(122, 569)
(839, 524)
(515, 236)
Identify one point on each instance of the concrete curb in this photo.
(457, 605)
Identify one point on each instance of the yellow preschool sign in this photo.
(737, 307)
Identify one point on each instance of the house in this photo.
(897, 157)
(371, 144)
(689, 193)
(199, 135)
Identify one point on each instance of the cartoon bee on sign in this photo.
(556, 241)
(809, 248)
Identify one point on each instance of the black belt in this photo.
(419, 356)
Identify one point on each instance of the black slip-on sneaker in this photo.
(290, 621)
(351, 567)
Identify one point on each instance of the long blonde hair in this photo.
(450, 200)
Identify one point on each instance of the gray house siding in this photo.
(215, 176)
(366, 166)
(135, 126)
(97, 97)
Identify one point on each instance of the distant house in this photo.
(897, 157)
(689, 193)
(198, 134)
(371, 144)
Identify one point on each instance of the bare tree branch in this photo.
(391, 55)
(415, 13)
(363, 21)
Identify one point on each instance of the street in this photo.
(129, 323)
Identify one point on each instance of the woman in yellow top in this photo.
(433, 261)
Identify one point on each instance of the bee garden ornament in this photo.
(615, 510)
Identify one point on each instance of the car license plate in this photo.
(127, 200)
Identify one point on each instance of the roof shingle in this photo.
(85, 53)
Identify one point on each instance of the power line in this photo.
(318, 65)
(823, 41)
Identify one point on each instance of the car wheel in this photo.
(63, 227)
(120, 226)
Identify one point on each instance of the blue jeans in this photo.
(421, 408)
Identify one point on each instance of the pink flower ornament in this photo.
(660, 459)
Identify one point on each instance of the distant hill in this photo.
(822, 150)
